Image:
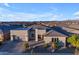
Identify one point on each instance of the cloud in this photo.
(76, 13)
(7, 15)
(6, 4)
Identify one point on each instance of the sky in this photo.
(39, 11)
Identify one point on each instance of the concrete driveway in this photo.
(12, 47)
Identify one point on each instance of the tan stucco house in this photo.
(38, 33)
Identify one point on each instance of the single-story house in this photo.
(21, 34)
(54, 36)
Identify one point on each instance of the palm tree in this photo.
(74, 41)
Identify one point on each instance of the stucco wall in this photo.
(22, 34)
(1, 37)
(63, 39)
(39, 32)
(49, 39)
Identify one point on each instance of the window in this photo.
(39, 36)
(32, 35)
(54, 39)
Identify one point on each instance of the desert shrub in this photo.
(26, 45)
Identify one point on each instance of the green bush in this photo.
(57, 45)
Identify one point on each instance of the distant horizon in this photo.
(42, 21)
(30, 12)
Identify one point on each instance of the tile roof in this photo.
(61, 30)
(38, 26)
(54, 33)
(22, 29)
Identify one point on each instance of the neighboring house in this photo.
(20, 34)
(71, 30)
(6, 32)
(1, 36)
(54, 36)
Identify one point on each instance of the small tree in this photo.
(74, 41)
